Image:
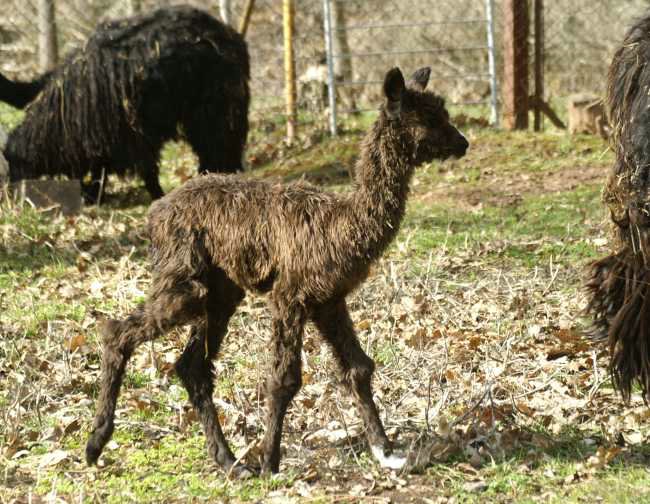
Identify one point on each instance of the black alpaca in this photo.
(620, 283)
(138, 82)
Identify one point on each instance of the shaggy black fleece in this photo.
(138, 82)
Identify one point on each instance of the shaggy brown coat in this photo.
(619, 284)
(219, 236)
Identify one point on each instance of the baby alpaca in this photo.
(219, 236)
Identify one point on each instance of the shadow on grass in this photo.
(37, 254)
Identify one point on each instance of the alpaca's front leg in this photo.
(334, 323)
(284, 380)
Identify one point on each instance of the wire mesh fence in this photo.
(368, 37)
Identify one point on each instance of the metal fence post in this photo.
(331, 80)
(515, 64)
(492, 66)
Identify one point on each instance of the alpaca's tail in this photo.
(620, 304)
(19, 94)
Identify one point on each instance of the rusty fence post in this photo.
(515, 64)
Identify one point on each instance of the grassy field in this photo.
(473, 316)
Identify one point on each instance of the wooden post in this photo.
(246, 18)
(48, 49)
(515, 64)
(539, 61)
(289, 70)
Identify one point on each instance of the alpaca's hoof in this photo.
(243, 472)
(269, 469)
(93, 451)
(98, 439)
(387, 461)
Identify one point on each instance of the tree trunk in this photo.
(48, 50)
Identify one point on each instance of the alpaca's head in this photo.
(423, 115)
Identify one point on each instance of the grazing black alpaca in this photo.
(138, 82)
(620, 283)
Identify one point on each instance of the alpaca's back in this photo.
(628, 103)
(252, 229)
(627, 97)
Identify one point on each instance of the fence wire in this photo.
(370, 36)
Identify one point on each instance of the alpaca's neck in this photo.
(383, 174)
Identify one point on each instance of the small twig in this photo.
(241, 457)
(488, 387)
(426, 409)
(538, 389)
(553, 277)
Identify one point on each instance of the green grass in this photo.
(515, 204)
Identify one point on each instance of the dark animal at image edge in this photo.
(619, 285)
(219, 236)
(177, 73)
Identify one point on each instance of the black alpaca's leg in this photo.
(196, 369)
(147, 167)
(163, 310)
(284, 379)
(334, 324)
(151, 182)
(219, 147)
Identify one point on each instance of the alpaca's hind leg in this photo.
(284, 379)
(196, 369)
(151, 182)
(164, 309)
(334, 323)
(220, 146)
(148, 169)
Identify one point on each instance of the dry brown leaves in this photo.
(466, 369)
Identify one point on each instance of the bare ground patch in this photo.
(496, 189)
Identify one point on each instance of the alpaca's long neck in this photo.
(383, 174)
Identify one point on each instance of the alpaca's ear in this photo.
(420, 78)
(394, 86)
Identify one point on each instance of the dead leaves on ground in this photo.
(470, 372)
